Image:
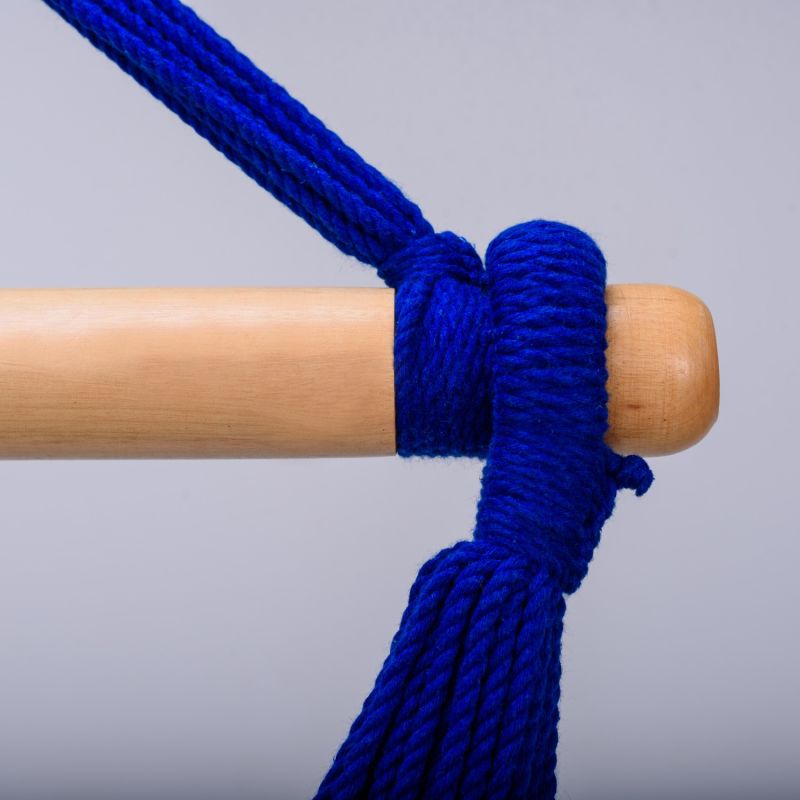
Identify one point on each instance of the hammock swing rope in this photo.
(501, 358)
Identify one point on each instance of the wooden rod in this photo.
(663, 369)
(269, 372)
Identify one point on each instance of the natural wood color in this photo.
(663, 369)
(124, 373)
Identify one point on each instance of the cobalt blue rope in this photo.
(503, 361)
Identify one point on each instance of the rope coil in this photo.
(504, 362)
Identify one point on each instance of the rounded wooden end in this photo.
(663, 369)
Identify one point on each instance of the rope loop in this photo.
(441, 347)
(508, 362)
(550, 480)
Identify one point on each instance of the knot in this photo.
(441, 345)
(630, 472)
(509, 363)
(432, 257)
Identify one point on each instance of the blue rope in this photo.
(503, 361)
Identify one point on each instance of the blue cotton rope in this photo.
(503, 361)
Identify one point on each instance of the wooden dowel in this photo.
(663, 369)
(268, 372)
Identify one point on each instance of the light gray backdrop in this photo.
(209, 629)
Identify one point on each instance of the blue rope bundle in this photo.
(503, 361)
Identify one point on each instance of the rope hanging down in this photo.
(504, 362)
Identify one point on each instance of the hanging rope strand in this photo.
(253, 121)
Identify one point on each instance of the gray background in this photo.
(209, 629)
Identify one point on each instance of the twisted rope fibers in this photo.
(503, 361)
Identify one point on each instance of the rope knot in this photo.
(432, 257)
(630, 472)
(509, 363)
(441, 347)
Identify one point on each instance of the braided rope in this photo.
(503, 361)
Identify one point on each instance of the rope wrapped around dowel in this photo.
(504, 362)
